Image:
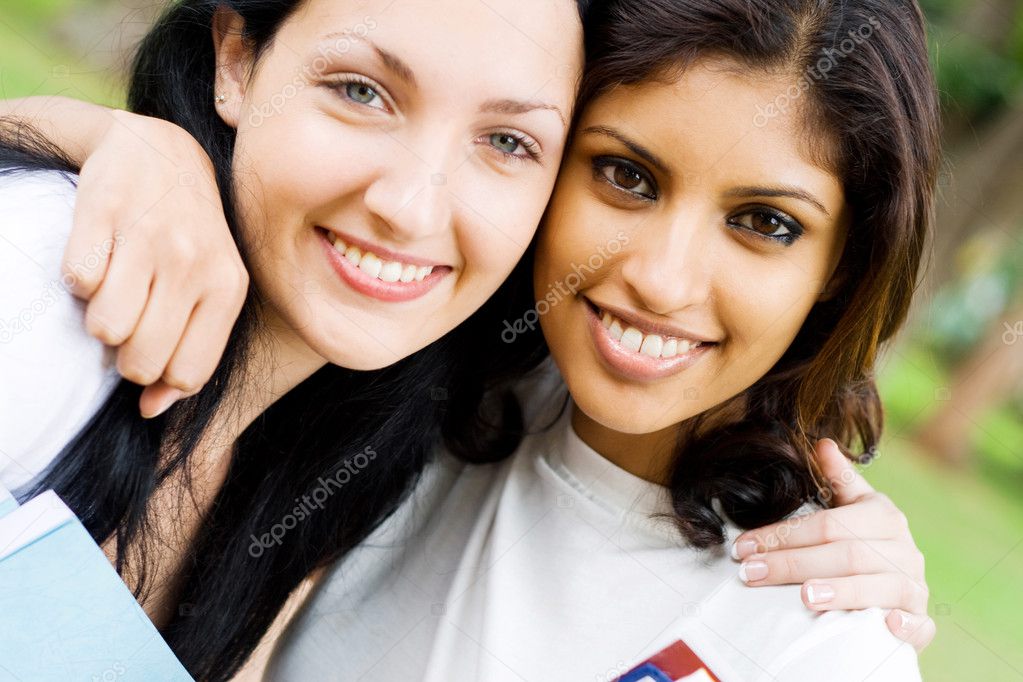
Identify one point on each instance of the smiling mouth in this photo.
(641, 354)
(384, 278)
(378, 267)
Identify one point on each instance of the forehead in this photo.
(716, 117)
(498, 40)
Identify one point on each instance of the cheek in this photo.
(285, 162)
(764, 308)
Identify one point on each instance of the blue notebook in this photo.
(65, 614)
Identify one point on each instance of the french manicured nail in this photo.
(751, 571)
(743, 549)
(819, 594)
(905, 620)
(165, 404)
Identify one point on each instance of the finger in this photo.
(870, 518)
(846, 482)
(143, 358)
(157, 399)
(883, 590)
(89, 248)
(201, 347)
(116, 308)
(917, 630)
(834, 560)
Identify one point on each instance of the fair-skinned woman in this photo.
(330, 362)
(289, 263)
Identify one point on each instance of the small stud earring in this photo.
(221, 99)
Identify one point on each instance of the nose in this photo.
(669, 267)
(410, 196)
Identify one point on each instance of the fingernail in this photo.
(164, 405)
(819, 594)
(905, 621)
(743, 549)
(751, 571)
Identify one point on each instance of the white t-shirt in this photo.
(54, 377)
(553, 566)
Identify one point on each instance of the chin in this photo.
(626, 410)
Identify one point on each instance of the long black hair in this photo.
(353, 442)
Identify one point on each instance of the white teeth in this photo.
(374, 266)
(632, 339)
(652, 345)
(391, 272)
(354, 255)
(371, 265)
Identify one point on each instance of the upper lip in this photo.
(383, 253)
(648, 326)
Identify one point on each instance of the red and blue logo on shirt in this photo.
(677, 663)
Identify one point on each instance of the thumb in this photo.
(846, 482)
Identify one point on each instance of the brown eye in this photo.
(626, 176)
(769, 224)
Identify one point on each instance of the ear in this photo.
(235, 60)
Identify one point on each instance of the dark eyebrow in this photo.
(790, 192)
(391, 61)
(396, 65)
(515, 106)
(636, 148)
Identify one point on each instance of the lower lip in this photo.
(637, 366)
(391, 292)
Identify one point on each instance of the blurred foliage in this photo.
(963, 311)
(976, 78)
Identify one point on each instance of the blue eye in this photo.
(505, 142)
(513, 145)
(769, 224)
(363, 93)
(626, 176)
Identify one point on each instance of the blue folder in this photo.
(65, 614)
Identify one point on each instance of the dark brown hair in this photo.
(870, 102)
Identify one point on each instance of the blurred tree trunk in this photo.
(982, 381)
(979, 191)
(982, 189)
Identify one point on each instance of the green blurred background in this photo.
(953, 385)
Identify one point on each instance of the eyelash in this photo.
(340, 87)
(788, 222)
(532, 147)
(603, 163)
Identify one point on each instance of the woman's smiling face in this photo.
(727, 234)
(393, 160)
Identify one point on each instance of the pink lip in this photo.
(637, 366)
(391, 292)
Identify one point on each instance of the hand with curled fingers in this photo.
(151, 251)
(856, 555)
